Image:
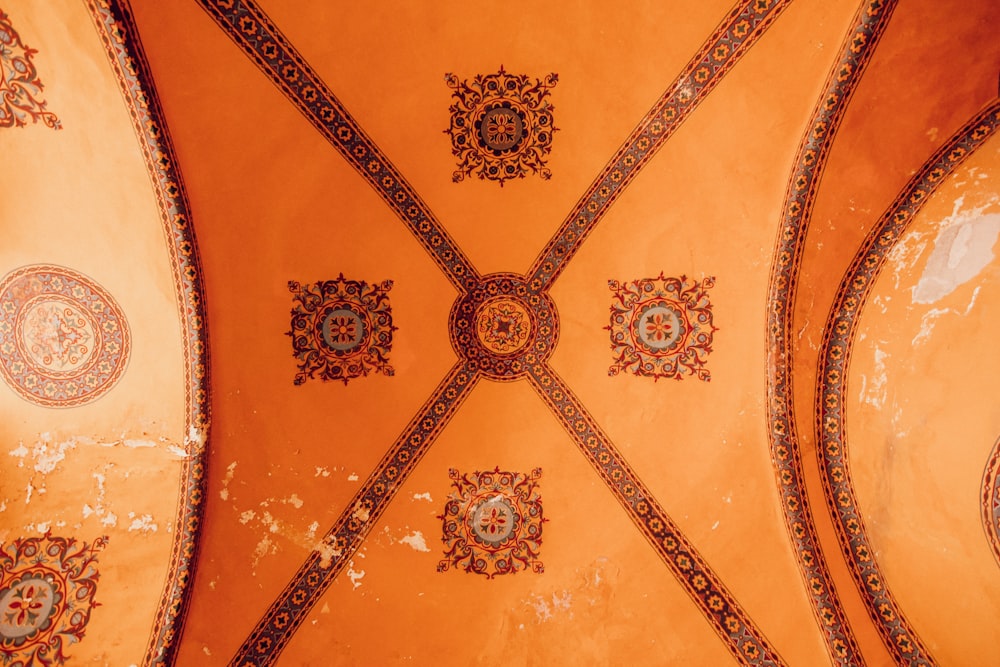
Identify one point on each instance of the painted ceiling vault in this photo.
(448, 333)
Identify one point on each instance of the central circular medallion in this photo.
(501, 127)
(502, 327)
(493, 521)
(660, 327)
(342, 328)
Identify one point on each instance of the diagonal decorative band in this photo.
(286, 613)
(835, 358)
(867, 28)
(733, 37)
(254, 32)
(743, 639)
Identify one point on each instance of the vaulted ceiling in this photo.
(447, 334)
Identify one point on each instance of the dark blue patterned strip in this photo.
(733, 37)
(286, 613)
(859, 45)
(254, 32)
(835, 359)
(742, 637)
(117, 29)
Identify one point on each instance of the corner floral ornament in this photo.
(661, 327)
(493, 523)
(501, 125)
(341, 329)
(47, 587)
(20, 87)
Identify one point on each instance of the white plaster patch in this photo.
(423, 496)
(322, 472)
(930, 318)
(963, 248)
(230, 472)
(294, 501)
(247, 516)
(353, 477)
(416, 541)
(143, 523)
(355, 575)
(875, 389)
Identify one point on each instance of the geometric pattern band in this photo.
(868, 26)
(831, 401)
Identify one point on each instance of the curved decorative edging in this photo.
(991, 501)
(868, 26)
(119, 34)
(835, 357)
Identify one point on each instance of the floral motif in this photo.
(493, 523)
(19, 83)
(503, 325)
(341, 329)
(47, 587)
(501, 125)
(661, 327)
(64, 340)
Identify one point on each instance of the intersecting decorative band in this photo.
(835, 357)
(254, 32)
(741, 636)
(728, 43)
(859, 45)
(117, 29)
(501, 326)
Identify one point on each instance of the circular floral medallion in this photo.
(64, 339)
(660, 327)
(502, 326)
(27, 606)
(342, 328)
(501, 127)
(492, 520)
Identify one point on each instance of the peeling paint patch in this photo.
(416, 541)
(423, 496)
(322, 472)
(230, 472)
(355, 575)
(142, 523)
(930, 318)
(353, 477)
(963, 248)
(874, 389)
(294, 501)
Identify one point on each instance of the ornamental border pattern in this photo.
(728, 43)
(991, 501)
(835, 357)
(859, 45)
(119, 34)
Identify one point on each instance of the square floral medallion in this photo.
(501, 125)
(661, 327)
(493, 522)
(341, 329)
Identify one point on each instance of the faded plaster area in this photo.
(918, 437)
(84, 486)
